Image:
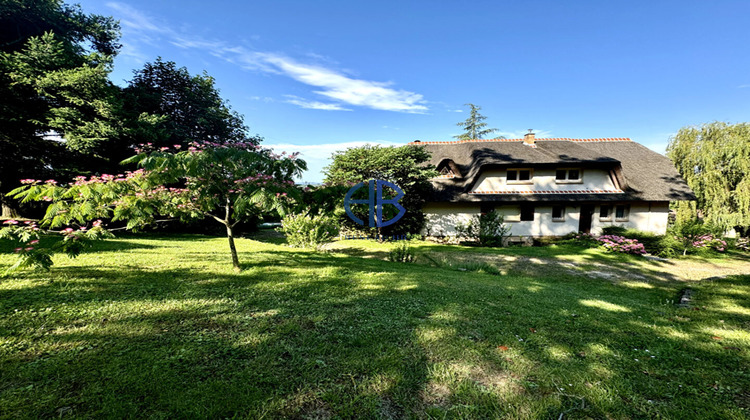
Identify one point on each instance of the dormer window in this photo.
(568, 176)
(448, 169)
(520, 176)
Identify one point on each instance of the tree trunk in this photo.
(233, 249)
(7, 211)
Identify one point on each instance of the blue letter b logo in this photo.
(375, 203)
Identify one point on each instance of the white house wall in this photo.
(443, 217)
(649, 217)
(544, 180)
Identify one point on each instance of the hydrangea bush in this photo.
(621, 244)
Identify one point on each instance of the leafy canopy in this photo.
(403, 166)
(54, 63)
(714, 159)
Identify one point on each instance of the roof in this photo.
(644, 174)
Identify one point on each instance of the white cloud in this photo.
(303, 103)
(329, 83)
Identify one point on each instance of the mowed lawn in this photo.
(161, 327)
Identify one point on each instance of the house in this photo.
(551, 186)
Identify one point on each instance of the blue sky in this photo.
(319, 76)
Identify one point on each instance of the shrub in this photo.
(582, 239)
(487, 229)
(614, 230)
(305, 231)
(402, 253)
(696, 236)
(621, 244)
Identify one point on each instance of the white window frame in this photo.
(567, 179)
(610, 212)
(518, 181)
(626, 212)
(562, 217)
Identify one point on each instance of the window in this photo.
(511, 213)
(519, 176)
(622, 212)
(563, 176)
(527, 213)
(558, 213)
(605, 212)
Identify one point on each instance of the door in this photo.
(587, 211)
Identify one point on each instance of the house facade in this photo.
(551, 187)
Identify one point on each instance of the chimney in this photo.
(528, 138)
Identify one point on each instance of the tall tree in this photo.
(54, 63)
(165, 105)
(474, 126)
(714, 159)
(404, 166)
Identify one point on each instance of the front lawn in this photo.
(162, 327)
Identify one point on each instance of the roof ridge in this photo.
(600, 139)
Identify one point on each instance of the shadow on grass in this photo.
(304, 334)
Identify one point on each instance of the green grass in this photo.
(161, 327)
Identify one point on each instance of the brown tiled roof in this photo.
(645, 174)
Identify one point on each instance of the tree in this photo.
(223, 182)
(474, 126)
(165, 105)
(714, 159)
(54, 63)
(403, 166)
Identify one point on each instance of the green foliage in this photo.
(54, 67)
(403, 166)
(402, 253)
(474, 126)
(581, 239)
(227, 183)
(323, 199)
(25, 238)
(693, 236)
(487, 229)
(165, 105)
(306, 231)
(614, 230)
(714, 159)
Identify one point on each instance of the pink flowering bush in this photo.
(709, 241)
(26, 238)
(222, 182)
(616, 243)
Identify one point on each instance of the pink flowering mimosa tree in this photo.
(223, 182)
